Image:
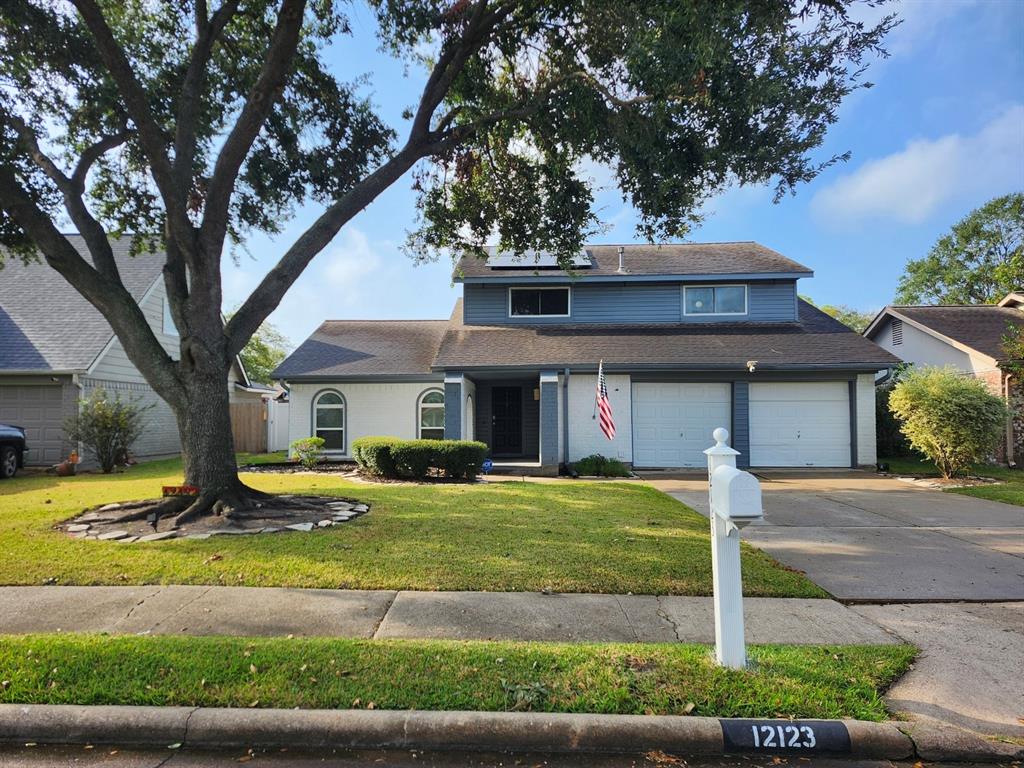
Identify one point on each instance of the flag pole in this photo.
(600, 369)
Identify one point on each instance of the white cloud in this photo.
(920, 20)
(910, 185)
(349, 263)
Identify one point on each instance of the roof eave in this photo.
(509, 276)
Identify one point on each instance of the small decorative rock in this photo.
(198, 536)
(128, 540)
(232, 531)
(325, 523)
(304, 527)
(78, 535)
(342, 518)
(159, 536)
(270, 529)
(109, 507)
(78, 527)
(361, 508)
(112, 535)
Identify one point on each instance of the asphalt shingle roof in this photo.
(673, 259)
(46, 325)
(816, 340)
(979, 327)
(365, 348)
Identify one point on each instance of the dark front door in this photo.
(507, 421)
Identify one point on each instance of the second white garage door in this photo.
(673, 422)
(800, 424)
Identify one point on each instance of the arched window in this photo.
(329, 420)
(430, 415)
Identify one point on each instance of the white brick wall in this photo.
(371, 409)
(866, 419)
(585, 436)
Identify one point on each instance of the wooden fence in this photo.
(249, 426)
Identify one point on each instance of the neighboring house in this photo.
(968, 338)
(55, 348)
(693, 337)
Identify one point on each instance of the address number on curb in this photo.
(792, 736)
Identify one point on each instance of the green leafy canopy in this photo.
(980, 260)
(679, 98)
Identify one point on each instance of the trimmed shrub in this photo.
(394, 458)
(373, 455)
(107, 427)
(601, 466)
(307, 451)
(951, 418)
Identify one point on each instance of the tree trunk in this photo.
(207, 445)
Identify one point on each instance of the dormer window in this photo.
(715, 300)
(538, 302)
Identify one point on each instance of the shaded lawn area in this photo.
(243, 458)
(1010, 490)
(784, 681)
(569, 537)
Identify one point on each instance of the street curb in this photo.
(940, 741)
(410, 729)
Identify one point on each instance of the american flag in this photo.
(604, 406)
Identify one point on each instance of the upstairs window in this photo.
(715, 300)
(329, 421)
(538, 302)
(431, 413)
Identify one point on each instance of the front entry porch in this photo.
(516, 415)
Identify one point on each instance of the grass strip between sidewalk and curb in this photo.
(565, 536)
(669, 679)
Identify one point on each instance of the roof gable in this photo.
(46, 325)
(974, 328)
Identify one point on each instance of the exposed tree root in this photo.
(234, 504)
(143, 509)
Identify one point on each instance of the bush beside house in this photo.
(951, 418)
(601, 466)
(107, 427)
(394, 458)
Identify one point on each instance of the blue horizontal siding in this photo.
(768, 301)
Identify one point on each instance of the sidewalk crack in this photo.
(181, 608)
(384, 615)
(664, 615)
(139, 603)
(625, 615)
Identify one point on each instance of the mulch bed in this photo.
(292, 513)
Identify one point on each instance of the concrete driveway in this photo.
(867, 538)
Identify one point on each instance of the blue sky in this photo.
(941, 132)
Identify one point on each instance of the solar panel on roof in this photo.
(535, 260)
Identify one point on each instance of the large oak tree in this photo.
(197, 125)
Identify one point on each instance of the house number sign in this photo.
(786, 736)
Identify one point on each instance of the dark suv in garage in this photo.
(12, 450)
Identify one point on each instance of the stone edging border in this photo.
(414, 729)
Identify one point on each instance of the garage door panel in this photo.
(673, 421)
(800, 424)
(39, 409)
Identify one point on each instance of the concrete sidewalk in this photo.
(253, 612)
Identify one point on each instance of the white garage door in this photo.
(38, 408)
(673, 422)
(805, 424)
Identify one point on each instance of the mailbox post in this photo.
(735, 498)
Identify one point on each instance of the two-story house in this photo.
(692, 337)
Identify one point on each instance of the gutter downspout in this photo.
(565, 417)
(1010, 458)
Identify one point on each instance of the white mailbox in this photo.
(736, 496)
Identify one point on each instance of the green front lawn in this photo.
(571, 536)
(784, 681)
(1010, 490)
(276, 457)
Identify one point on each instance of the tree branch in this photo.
(110, 297)
(90, 229)
(258, 104)
(151, 136)
(208, 32)
(93, 153)
(268, 294)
